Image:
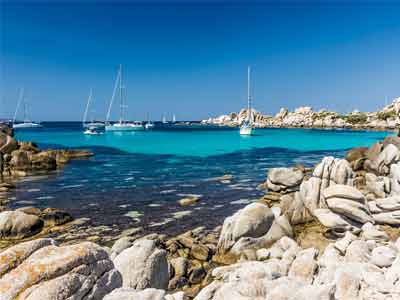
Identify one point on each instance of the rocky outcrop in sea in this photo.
(19, 159)
(24, 158)
(387, 118)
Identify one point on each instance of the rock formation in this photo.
(387, 118)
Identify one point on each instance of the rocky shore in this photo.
(306, 117)
(17, 160)
(328, 232)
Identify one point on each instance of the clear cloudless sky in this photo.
(190, 58)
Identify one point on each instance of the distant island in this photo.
(306, 117)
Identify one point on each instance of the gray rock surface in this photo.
(253, 221)
(43, 271)
(18, 225)
(147, 294)
(282, 179)
(143, 266)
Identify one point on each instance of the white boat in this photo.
(92, 124)
(93, 131)
(26, 123)
(149, 125)
(121, 125)
(138, 126)
(247, 127)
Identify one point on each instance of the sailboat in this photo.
(149, 124)
(122, 125)
(247, 127)
(26, 123)
(173, 118)
(93, 124)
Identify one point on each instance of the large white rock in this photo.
(18, 225)
(394, 177)
(43, 271)
(383, 256)
(285, 177)
(348, 201)
(330, 219)
(252, 221)
(389, 155)
(351, 209)
(147, 294)
(375, 185)
(143, 266)
(390, 218)
(15, 255)
(357, 251)
(389, 203)
(347, 282)
(344, 192)
(371, 232)
(329, 172)
(304, 265)
(280, 227)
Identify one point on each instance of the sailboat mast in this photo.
(121, 113)
(87, 107)
(25, 114)
(248, 95)
(21, 97)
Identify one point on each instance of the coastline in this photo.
(305, 117)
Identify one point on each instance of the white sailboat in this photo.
(122, 125)
(173, 118)
(26, 123)
(164, 119)
(247, 127)
(92, 124)
(149, 124)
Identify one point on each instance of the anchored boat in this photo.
(247, 127)
(122, 125)
(26, 123)
(92, 124)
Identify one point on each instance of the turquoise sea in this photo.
(135, 178)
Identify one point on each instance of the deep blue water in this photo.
(143, 174)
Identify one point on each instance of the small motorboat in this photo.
(93, 131)
(137, 126)
(149, 125)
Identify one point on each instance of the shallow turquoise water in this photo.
(147, 172)
(206, 142)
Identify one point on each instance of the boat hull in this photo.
(27, 125)
(124, 127)
(246, 130)
(138, 127)
(93, 125)
(91, 132)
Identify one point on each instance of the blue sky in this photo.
(190, 58)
